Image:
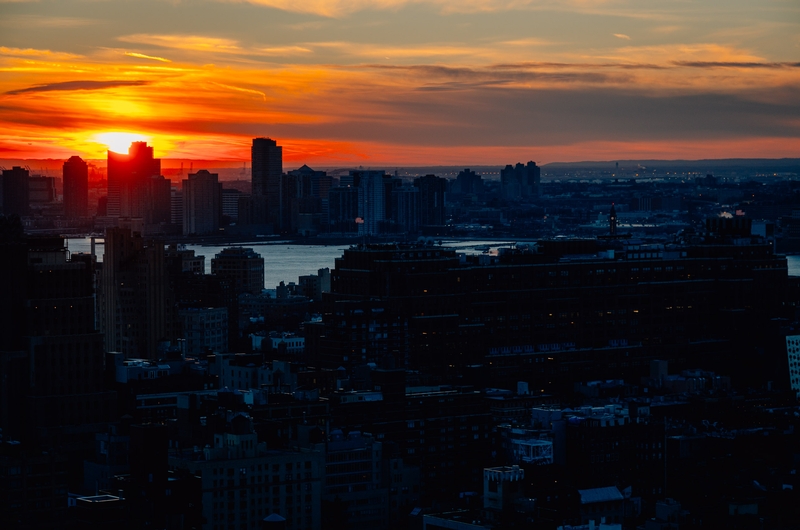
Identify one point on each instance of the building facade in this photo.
(75, 173)
(202, 204)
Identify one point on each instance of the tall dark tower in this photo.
(76, 188)
(432, 191)
(16, 196)
(129, 178)
(612, 221)
(267, 167)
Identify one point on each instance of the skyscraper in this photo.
(432, 191)
(128, 179)
(16, 200)
(371, 201)
(76, 188)
(135, 297)
(267, 167)
(242, 265)
(201, 203)
(520, 181)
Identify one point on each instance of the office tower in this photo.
(201, 203)
(343, 209)
(135, 299)
(242, 265)
(15, 191)
(41, 191)
(53, 383)
(175, 206)
(76, 188)
(432, 192)
(520, 181)
(158, 201)
(267, 167)
(307, 199)
(371, 201)
(405, 208)
(468, 183)
(230, 204)
(128, 175)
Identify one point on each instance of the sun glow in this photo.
(119, 142)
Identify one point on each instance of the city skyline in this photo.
(395, 82)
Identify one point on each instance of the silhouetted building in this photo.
(404, 215)
(16, 192)
(343, 201)
(432, 192)
(76, 188)
(128, 180)
(33, 490)
(433, 310)
(230, 204)
(371, 200)
(305, 200)
(41, 191)
(135, 298)
(53, 384)
(242, 265)
(520, 181)
(468, 183)
(267, 167)
(201, 203)
(289, 482)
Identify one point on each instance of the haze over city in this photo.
(401, 82)
(399, 265)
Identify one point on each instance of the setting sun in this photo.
(119, 141)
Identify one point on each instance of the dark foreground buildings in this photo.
(564, 311)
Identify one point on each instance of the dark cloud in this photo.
(534, 65)
(466, 78)
(76, 85)
(727, 64)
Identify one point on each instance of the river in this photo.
(284, 261)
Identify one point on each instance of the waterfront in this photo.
(283, 260)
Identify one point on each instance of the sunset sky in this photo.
(412, 82)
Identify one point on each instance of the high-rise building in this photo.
(243, 265)
(230, 203)
(201, 203)
(41, 191)
(343, 209)
(76, 188)
(175, 206)
(305, 199)
(53, 384)
(520, 181)
(371, 201)
(432, 192)
(405, 208)
(468, 183)
(135, 299)
(267, 167)
(128, 176)
(16, 199)
(158, 199)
